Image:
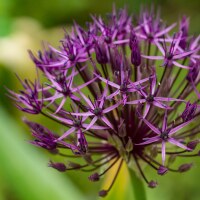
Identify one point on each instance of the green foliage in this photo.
(137, 186)
(25, 174)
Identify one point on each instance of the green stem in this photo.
(137, 186)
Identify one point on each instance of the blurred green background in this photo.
(24, 174)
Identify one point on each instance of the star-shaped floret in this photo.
(165, 135)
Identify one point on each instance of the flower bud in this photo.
(184, 28)
(192, 145)
(189, 111)
(135, 50)
(101, 53)
(136, 57)
(94, 177)
(152, 184)
(103, 193)
(162, 170)
(193, 71)
(59, 166)
(185, 167)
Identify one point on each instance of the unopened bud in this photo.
(103, 193)
(101, 53)
(136, 57)
(189, 111)
(185, 167)
(94, 177)
(152, 184)
(135, 50)
(162, 170)
(192, 145)
(59, 166)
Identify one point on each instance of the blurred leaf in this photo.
(137, 186)
(5, 26)
(25, 172)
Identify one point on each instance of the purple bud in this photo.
(189, 111)
(184, 29)
(101, 52)
(94, 177)
(136, 57)
(103, 193)
(192, 145)
(193, 72)
(28, 99)
(133, 40)
(59, 166)
(162, 170)
(81, 142)
(44, 137)
(135, 50)
(152, 184)
(116, 59)
(185, 167)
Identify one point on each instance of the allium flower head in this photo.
(121, 90)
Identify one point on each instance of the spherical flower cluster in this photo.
(122, 89)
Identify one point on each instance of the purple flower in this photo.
(152, 29)
(105, 83)
(124, 85)
(44, 137)
(171, 54)
(63, 87)
(165, 135)
(97, 111)
(28, 99)
(151, 98)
